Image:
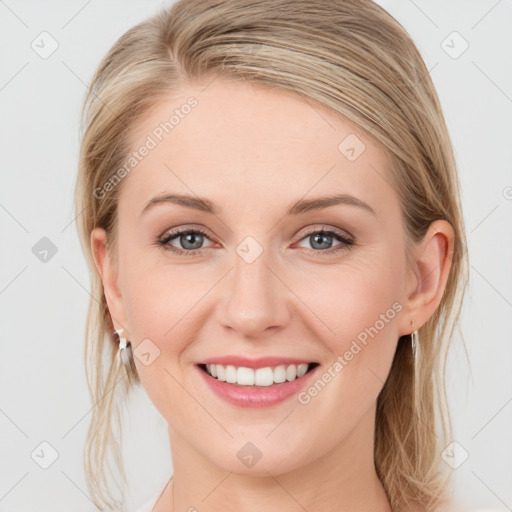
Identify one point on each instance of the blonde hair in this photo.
(352, 57)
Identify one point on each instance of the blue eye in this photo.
(323, 238)
(191, 241)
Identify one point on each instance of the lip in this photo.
(260, 362)
(256, 396)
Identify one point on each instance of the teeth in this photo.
(261, 377)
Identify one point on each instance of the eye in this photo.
(189, 240)
(322, 240)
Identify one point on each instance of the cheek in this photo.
(351, 297)
(159, 301)
(359, 306)
(162, 302)
(156, 298)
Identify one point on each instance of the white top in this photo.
(148, 506)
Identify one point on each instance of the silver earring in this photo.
(125, 350)
(414, 341)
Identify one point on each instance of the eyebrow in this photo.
(300, 207)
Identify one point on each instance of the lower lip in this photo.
(253, 396)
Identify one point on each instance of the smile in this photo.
(260, 377)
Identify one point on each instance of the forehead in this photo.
(234, 139)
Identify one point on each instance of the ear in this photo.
(109, 277)
(427, 278)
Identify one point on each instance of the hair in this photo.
(352, 57)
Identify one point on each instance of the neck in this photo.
(342, 480)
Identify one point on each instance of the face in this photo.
(261, 276)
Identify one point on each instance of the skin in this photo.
(254, 151)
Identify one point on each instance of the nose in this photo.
(255, 299)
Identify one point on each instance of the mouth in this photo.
(259, 377)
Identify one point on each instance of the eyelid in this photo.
(326, 229)
(171, 233)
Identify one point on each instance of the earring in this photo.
(414, 341)
(125, 350)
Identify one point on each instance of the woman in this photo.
(269, 206)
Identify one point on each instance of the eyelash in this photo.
(164, 241)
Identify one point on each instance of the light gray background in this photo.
(43, 396)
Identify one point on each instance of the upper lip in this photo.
(260, 362)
